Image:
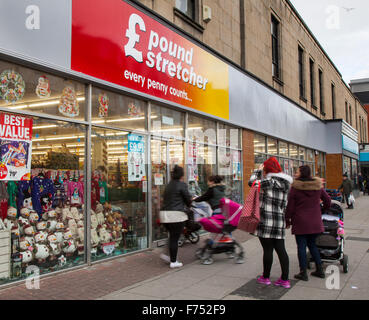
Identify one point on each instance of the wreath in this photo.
(12, 86)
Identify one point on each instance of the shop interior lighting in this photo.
(41, 104)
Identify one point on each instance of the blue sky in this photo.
(342, 29)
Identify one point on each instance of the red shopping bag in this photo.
(250, 215)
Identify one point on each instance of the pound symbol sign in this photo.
(133, 37)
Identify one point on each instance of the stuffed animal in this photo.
(59, 232)
(51, 221)
(75, 214)
(41, 251)
(68, 245)
(23, 219)
(59, 214)
(100, 214)
(11, 218)
(81, 237)
(105, 236)
(33, 218)
(54, 246)
(41, 227)
(29, 233)
(94, 222)
(26, 251)
(46, 202)
(66, 214)
(95, 240)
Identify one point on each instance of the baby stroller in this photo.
(335, 194)
(331, 242)
(190, 232)
(221, 226)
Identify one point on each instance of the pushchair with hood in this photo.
(221, 226)
(331, 242)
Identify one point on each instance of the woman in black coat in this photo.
(172, 215)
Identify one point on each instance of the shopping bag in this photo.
(351, 199)
(250, 216)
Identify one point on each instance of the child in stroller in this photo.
(221, 226)
(331, 242)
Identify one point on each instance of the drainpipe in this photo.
(243, 34)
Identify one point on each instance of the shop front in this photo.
(90, 135)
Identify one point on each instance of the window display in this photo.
(118, 201)
(42, 214)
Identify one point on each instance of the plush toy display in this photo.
(52, 221)
(41, 251)
(59, 232)
(29, 233)
(81, 237)
(94, 222)
(100, 214)
(68, 245)
(33, 218)
(11, 218)
(55, 249)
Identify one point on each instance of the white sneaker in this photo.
(176, 264)
(165, 258)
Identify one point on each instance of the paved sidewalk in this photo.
(144, 276)
(229, 281)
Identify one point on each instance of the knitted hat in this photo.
(272, 166)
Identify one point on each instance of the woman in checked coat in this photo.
(274, 185)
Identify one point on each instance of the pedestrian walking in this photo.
(366, 187)
(213, 195)
(347, 188)
(304, 214)
(173, 215)
(274, 187)
(361, 182)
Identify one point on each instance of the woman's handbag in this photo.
(172, 216)
(250, 216)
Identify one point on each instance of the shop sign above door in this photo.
(113, 41)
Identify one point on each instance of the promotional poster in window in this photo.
(15, 147)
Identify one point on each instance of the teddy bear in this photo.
(29, 233)
(94, 222)
(107, 208)
(42, 251)
(52, 221)
(55, 249)
(81, 237)
(75, 214)
(68, 245)
(95, 240)
(59, 232)
(104, 235)
(100, 214)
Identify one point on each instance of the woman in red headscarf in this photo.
(275, 186)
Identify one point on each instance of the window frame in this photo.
(301, 60)
(333, 94)
(321, 91)
(276, 57)
(312, 83)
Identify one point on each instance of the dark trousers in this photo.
(174, 230)
(269, 245)
(303, 241)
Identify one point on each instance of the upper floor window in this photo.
(321, 92)
(276, 70)
(301, 73)
(333, 89)
(346, 112)
(312, 81)
(187, 7)
(350, 114)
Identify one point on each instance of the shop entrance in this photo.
(165, 154)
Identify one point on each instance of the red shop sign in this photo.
(113, 41)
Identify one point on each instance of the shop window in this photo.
(118, 193)
(202, 130)
(116, 110)
(283, 149)
(259, 159)
(230, 170)
(272, 147)
(229, 136)
(167, 123)
(302, 153)
(259, 143)
(25, 89)
(310, 155)
(294, 151)
(43, 215)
